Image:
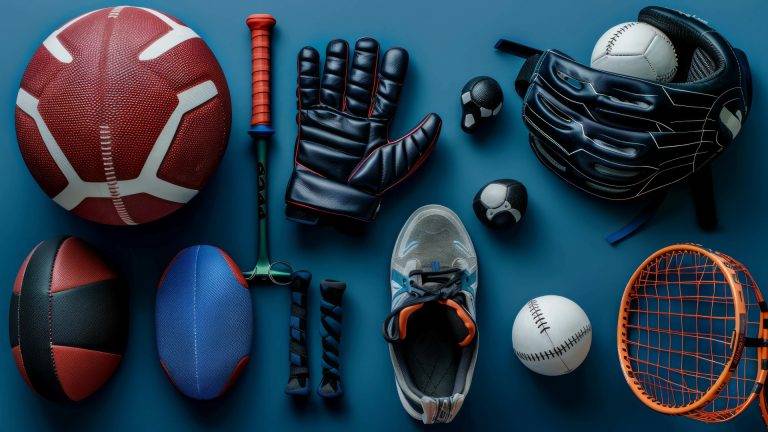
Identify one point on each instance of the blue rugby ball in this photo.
(203, 321)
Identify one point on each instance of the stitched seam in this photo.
(18, 320)
(50, 310)
(612, 41)
(18, 305)
(194, 319)
(653, 69)
(105, 138)
(299, 96)
(419, 161)
(537, 315)
(115, 13)
(623, 29)
(556, 351)
(390, 143)
(375, 87)
(308, 169)
(671, 74)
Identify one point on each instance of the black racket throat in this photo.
(755, 343)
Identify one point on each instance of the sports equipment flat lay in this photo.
(80, 130)
(123, 114)
(203, 322)
(68, 320)
(431, 330)
(345, 159)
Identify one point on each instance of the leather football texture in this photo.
(68, 320)
(344, 159)
(123, 114)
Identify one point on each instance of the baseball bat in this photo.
(261, 126)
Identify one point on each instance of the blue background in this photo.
(559, 250)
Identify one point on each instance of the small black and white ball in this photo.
(481, 100)
(501, 203)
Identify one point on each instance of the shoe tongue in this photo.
(431, 267)
(457, 320)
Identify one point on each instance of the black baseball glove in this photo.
(344, 159)
(619, 137)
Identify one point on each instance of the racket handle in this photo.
(261, 35)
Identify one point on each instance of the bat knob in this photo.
(260, 21)
(261, 131)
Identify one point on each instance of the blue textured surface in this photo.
(559, 249)
(203, 322)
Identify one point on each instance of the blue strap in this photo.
(633, 226)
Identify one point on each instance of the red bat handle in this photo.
(261, 35)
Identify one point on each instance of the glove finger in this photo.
(308, 77)
(392, 163)
(362, 76)
(391, 78)
(334, 79)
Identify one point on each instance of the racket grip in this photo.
(261, 35)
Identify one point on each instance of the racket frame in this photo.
(737, 341)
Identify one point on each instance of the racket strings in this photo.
(680, 329)
(676, 292)
(740, 389)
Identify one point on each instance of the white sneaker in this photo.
(431, 329)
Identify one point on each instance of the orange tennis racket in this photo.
(692, 334)
(764, 404)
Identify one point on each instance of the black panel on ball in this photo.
(34, 321)
(93, 316)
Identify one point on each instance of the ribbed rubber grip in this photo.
(261, 34)
(331, 292)
(298, 379)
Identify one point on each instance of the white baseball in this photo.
(551, 335)
(636, 49)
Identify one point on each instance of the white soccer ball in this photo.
(551, 335)
(636, 49)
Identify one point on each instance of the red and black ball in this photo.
(68, 320)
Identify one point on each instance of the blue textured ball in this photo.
(203, 321)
